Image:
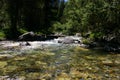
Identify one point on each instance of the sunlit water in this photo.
(20, 47)
(50, 60)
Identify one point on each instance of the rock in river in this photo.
(29, 36)
(69, 40)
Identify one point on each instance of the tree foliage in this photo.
(30, 15)
(100, 17)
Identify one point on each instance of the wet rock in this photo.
(78, 34)
(84, 46)
(39, 37)
(93, 45)
(28, 44)
(29, 36)
(5, 56)
(24, 44)
(69, 40)
(4, 77)
(112, 47)
(111, 43)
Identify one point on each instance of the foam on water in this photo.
(21, 46)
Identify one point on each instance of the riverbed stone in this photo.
(107, 62)
(3, 64)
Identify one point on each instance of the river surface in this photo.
(50, 60)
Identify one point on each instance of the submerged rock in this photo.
(3, 64)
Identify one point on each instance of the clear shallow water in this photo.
(53, 61)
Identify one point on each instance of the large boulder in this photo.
(68, 40)
(29, 36)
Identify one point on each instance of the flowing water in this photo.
(50, 60)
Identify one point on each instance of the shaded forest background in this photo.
(100, 18)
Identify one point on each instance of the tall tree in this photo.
(33, 15)
(14, 7)
(3, 14)
(98, 16)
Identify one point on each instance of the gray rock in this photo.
(78, 34)
(69, 40)
(29, 36)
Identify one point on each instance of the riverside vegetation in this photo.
(96, 20)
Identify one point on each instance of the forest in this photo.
(100, 18)
(66, 39)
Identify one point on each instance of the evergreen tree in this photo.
(101, 17)
(31, 15)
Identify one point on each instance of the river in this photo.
(50, 60)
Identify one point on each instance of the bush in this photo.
(2, 35)
(86, 41)
(58, 27)
(10, 34)
(22, 31)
